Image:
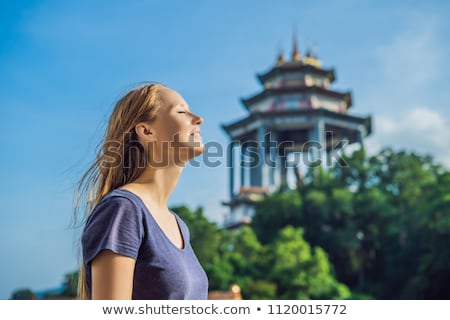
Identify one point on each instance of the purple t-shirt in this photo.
(122, 223)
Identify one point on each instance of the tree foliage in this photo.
(383, 221)
(302, 272)
(23, 294)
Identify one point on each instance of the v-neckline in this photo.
(156, 222)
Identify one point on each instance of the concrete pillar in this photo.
(263, 168)
(317, 144)
(241, 164)
(274, 179)
(283, 171)
(230, 164)
(256, 154)
(361, 134)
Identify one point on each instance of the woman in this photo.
(133, 246)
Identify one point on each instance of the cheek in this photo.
(172, 128)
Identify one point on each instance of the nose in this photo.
(198, 119)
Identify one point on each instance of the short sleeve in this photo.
(115, 224)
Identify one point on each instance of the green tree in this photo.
(432, 273)
(70, 285)
(23, 294)
(395, 201)
(250, 262)
(275, 212)
(377, 218)
(302, 272)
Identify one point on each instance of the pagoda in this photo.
(296, 113)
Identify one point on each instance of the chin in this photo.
(199, 150)
(196, 150)
(189, 152)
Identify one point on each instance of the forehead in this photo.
(171, 98)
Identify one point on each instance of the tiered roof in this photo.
(302, 77)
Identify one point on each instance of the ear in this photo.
(145, 132)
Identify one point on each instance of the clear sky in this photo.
(63, 64)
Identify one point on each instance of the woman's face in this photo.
(176, 129)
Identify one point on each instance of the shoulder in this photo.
(117, 204)
(116, 223)
(118, 198)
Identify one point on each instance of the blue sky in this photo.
(63, 64)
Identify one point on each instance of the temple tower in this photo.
(296, 120)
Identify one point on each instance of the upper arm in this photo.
(112, 276)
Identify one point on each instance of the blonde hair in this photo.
(120, 158)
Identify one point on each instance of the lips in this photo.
(196, 134)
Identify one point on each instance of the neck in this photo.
(157, 184)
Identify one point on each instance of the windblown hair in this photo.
(121, 158)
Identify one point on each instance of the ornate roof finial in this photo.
(280, 58)
(295, 53)
(311, 57)
(309, 49)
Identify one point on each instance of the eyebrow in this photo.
(182, 105)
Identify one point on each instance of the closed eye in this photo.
(181, 111)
